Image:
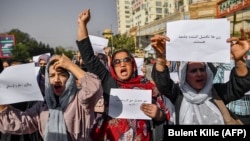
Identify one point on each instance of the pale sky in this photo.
(54, 22)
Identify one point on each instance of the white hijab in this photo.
(196, 108)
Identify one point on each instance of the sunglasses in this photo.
(126, 60)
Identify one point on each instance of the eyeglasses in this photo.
(126, 60)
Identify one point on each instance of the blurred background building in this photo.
(144, 18)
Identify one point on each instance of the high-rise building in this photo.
(146, 11)
(143, 18)
(133, 13)
(123, 15)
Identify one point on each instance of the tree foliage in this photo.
(20, 52)
(27, 47)
(122, 42)
(61, 50)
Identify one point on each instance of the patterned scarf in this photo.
(140, 127)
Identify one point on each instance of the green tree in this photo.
(33, 48)
(61, 50)
(20, 52)
(122, 42)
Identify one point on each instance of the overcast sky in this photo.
(54, 22)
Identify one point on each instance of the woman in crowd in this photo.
(5, 63)
(42, 62)
(67, 112)
(195, 94)
(240, 107)
(1, 66)
(121, 74)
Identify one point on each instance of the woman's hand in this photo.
(62, 62)
(82, 20)
(2, 107)
(152, 111)
(84, 17)
(240, 46)
(158, 42)
(239, 50)
(107, 50)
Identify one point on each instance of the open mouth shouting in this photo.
(58, 89)
(124, 72)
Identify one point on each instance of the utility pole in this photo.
(139, 43)
(112, 40)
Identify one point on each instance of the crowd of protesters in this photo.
(72, 90)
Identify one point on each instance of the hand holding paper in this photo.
(18, 84)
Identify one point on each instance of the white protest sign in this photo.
(18, 84)
(139, 64)
(98, 43)
(202, 40)
(125, 103)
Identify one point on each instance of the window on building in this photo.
(158, 3)
(127, 2)
(166, 11)
(165, 4)
(158, 10)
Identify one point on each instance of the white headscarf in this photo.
(196, 108)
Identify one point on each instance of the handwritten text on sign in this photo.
(190, 41)
(125, 103)
(18, 84)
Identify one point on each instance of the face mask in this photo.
(42, 70)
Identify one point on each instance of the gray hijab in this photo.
(56, 127)
(196, 108)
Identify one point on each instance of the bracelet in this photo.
(165, 115)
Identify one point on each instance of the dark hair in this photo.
(52, 63)
(14, 61)
(1, 66)
(122, 50)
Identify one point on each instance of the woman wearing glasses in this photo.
(122, 74)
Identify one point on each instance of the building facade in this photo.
(149, 17)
